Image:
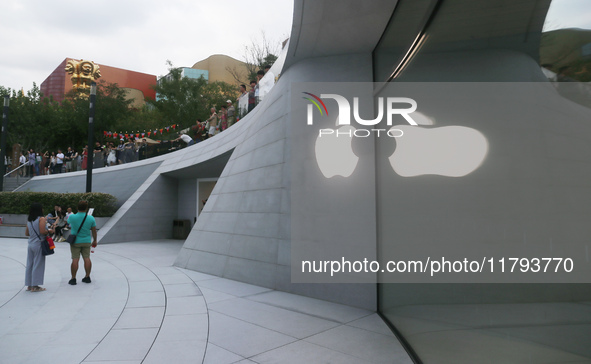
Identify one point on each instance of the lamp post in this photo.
(90, 151)
(3, 141)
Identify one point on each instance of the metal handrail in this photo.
(16, 169)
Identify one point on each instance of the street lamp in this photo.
(90, 151)
(3, 141)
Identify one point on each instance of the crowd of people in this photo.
(57, 221)
(34, 163)
(228, 115)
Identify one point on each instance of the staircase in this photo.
(12, 183)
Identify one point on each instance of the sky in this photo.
(569, 14)
(37, 35)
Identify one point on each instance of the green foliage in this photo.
(144, 119)
(260, 64)
(560, 52)
(111, 108)
(26, 118)
(41, 123)
(183, 100)
(44, 124)
(180, 98)
(216, 94)
(104, 204)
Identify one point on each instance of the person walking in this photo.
(36, 230)
(82, 225)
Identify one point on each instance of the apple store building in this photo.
(426, 159)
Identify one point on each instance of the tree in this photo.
(29, 122)
(216, 94)
(179, 99)
(43, 124)
(112, 109)
(182, 100)
(259, 53)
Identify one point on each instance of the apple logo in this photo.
(452, 151)
(334, 152)
(421, 119)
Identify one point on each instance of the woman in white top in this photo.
(112, 158)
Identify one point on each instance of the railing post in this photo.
(90, 151)
(3, 141)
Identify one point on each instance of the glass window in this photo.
(477, 323)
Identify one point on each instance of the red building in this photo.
(139, 85)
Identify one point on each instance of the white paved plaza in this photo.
(141, 309)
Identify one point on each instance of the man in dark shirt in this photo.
(98, 147)
(143, 149)
(98, 160)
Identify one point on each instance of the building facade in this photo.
(219, 67)
(138, 85)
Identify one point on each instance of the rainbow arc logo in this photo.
(316, 103)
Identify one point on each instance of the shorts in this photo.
(82, 248)
(212, 130)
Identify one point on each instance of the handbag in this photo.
(47, 245)
(45, 248)
(72, 237)
(50, 242)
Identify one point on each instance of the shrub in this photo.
(104, 204)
